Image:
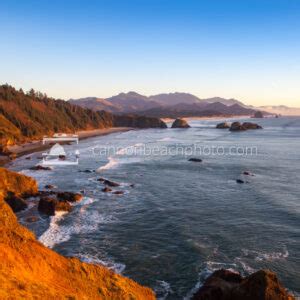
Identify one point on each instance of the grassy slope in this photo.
(28, 270)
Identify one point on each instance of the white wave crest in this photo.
(112, 163)
(108, 263)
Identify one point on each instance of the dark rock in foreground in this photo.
(69, 196)
(40, 168)
(223, 125)
(15, 202)
(227, 285)
(180, 123)
(195, 159)
(49, 206)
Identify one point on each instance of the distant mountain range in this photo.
(166, 105)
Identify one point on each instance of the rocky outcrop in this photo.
(16, 184)
(258, 114)
(31, 271)
(138, 121)
(249, 125)
(227, 285)
(40, 168)
(69, 196)
(223, 125)
(110, 183)
(237, 126)
(49, 206)
(180, 123)
(15, 202)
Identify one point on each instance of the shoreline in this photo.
(36, 145)
(166, 120)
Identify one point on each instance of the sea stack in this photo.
(223, 125)
(225, 284)
(180, 123)
(258, 114)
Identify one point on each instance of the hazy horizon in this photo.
(246, 50)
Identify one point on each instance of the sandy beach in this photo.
(36, 145)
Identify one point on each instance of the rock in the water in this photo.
(195, 159)
(118, 192)
(180, 123)
(240, 181)
(110, 183)
(237, 126)
(258, 114)
(15, 202)
(49, 186)
(227, 285)
(40, 168)
(247, 173)
(132, 185)
(32, 219)
(101, 179)
(87, 171)
(249, 125)
(49, 206)
(69, 196)
(28, 157)
(106, 190)
(223, 125)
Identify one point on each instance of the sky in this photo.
(243, 49)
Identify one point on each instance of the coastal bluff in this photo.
(29, 270)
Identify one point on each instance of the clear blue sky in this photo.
(246, 49)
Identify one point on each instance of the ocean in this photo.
(178, 220)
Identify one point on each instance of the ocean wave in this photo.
(112, 163)
(108, 263)
(266, 256)
(208, 269)
(162, 289)
(81, 221)
(53, 234)
(166, 139)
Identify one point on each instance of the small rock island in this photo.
(180, 123)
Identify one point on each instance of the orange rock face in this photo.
(28, 270)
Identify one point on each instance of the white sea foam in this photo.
(83, 221)
(112, 163)
(266, 256)
(166, 139)
(162, 289)
(53, 234)
(210, 267)
(108, 263)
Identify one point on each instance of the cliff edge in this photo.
(29, 270)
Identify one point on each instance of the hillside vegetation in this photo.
(29, 270)
(27, 116)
